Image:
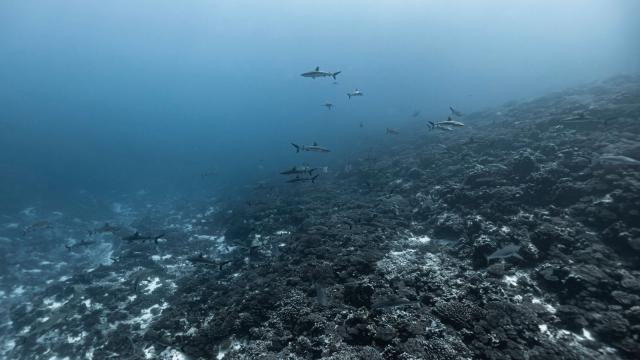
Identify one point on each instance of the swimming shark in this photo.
(315, 148)
(317, 73)
(79, 244)
(138, 237)
(328, 105)
(355, 92)
(106, 228)
(450, 122)
(201, 260)
(612, 160)
(508, 251)
(439, 126)
(302, 179)
(392, 131)
(37, 226)
(299, 170)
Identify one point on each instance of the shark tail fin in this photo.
(313, 179)
(297, 147)
(431, 125)
(333, 75)
(311, 171)
(68, 247)
(349, 95)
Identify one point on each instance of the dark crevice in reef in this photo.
(395, 258)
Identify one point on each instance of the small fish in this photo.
(416, 113)
(79, 244)
(455, 112)
(361, 124)
(328, 105)
(138, 237)
(508, 251)
(392, 131)
(355, 92)
(201, 260)
(317, 73)
(302, 179)
(299, 170)
(314, 148)
(106, 228)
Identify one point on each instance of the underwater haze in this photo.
(233, 179)
(122, 96)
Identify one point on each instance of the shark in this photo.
(200, 259)
(37, 226)
(79, 244)
(303, 179)
(314, 148)
(106, 228)
(316, 73)
(328, 105)
(296, 170)
(138, 237)
(355, 92)
(392, 131)
(612, 160)
(438, 126)
(506, 252)
(450, 122)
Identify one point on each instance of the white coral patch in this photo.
(76, 339)
(547, 307)
(424, 239)
(151, 285)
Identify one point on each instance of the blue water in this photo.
(100, 98)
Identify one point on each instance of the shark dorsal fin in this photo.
(137, 233)
(315, 143)
(317, 68)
